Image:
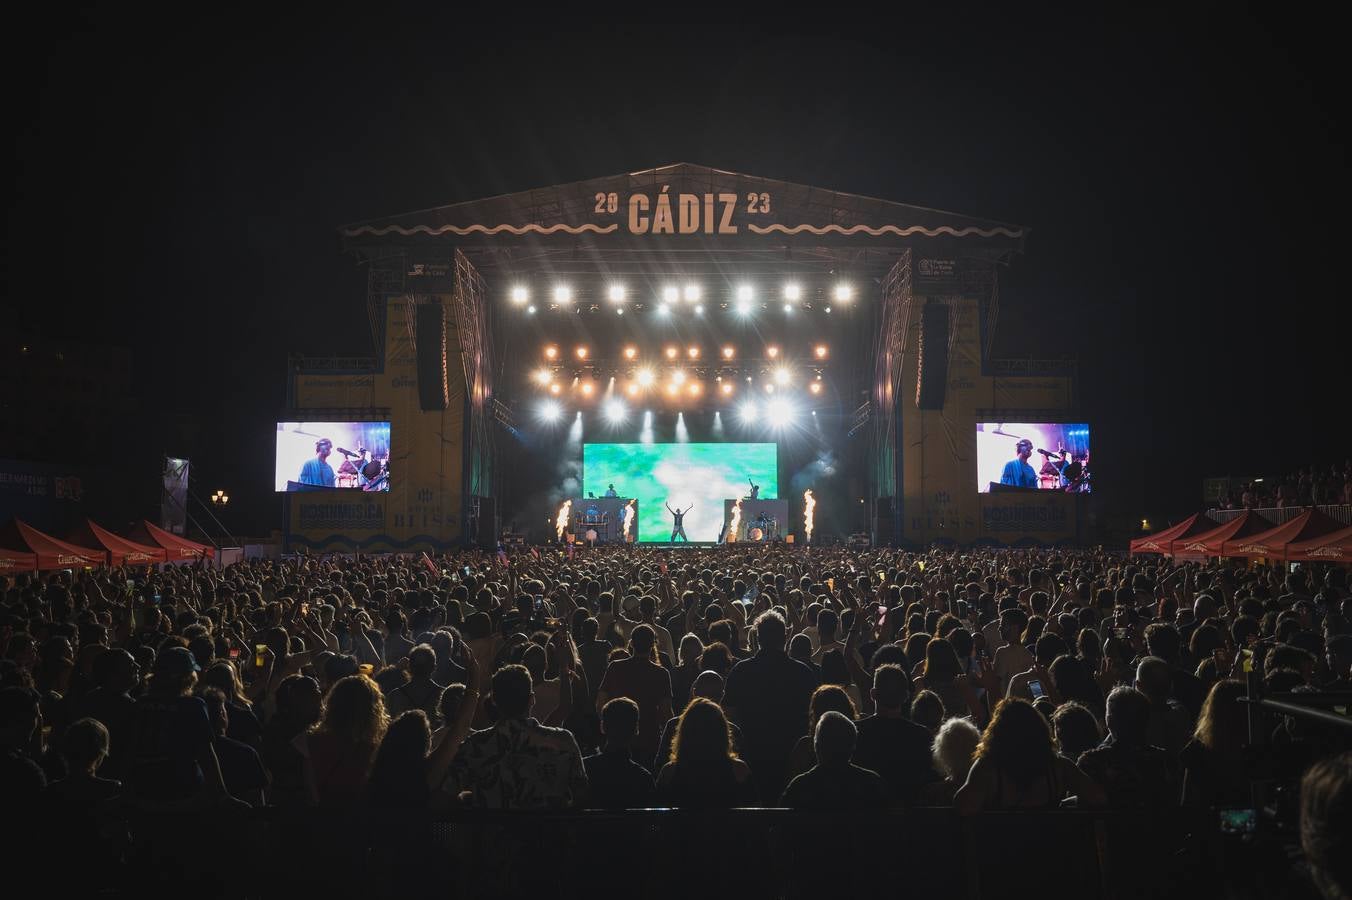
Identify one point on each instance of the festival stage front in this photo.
(659, 330)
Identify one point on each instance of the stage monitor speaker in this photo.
(433, 391)
(932, 359)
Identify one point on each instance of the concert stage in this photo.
(679, 336)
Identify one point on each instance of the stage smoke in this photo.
(561, 522)
(809, 504)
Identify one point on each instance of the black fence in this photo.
(750, 853)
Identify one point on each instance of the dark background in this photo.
(176, 189)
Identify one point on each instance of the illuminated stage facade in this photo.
(684, 338)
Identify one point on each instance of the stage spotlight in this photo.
(699, 309)
(678, 376)
(781, 376)
(729, 351)
(563, 294)
(670, 294)
(693, 353)
(779, 411)
(743, 308)
(827, 310)
(664, 310)
(692, 293)
(821, 351)
(695, 389)
(844, 293)
(581, 352)
(631, 389)
(615, 412)
(744, 293)
(551, 352)
(672, 389)
(747, 412)
(542, 376)
(630, 352)
(588, 388)
(616, 293)
(815, 387)
(646, 377)
(555, 388)
(619, 310)
(792, 291)
(520, 295)
(726, 388)
(772, 351)
(530, 310)
(671, 352)
(550, 411)
(769, 387)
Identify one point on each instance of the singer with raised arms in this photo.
(678, 521)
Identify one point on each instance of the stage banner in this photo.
(1038, 517)
(174, 496)
(43, 495)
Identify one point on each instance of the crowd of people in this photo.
(704, 678)
(1309, 486)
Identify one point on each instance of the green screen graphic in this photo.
(681, 475)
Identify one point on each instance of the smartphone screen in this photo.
(234, 653)
(1036, 687)
(1238, 821)
(259, 659)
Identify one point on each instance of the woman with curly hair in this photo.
(1017, 766)
(340, 749)
(704, 771)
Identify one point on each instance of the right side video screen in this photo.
(1044, 456)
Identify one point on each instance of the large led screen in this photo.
(693, 478)
(1033, 456)
(313, 456)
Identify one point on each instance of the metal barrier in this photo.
(744, 853)
(1278, 515)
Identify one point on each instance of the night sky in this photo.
(177, 189)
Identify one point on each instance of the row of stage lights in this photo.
(553, 354)
(778, 412)
(674, 383)
(673, 296)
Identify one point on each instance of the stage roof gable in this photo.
(702, 204)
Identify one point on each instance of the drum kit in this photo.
(362, 470)
(762, 528)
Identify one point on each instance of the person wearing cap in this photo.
(171, 761)
(1017, 472)
(317, 471)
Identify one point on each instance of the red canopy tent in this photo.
(1209, 543)
(178, 548)
(121, 552)
(50, 552)
(1271, 544)
(1159, 542)
(1334, 547)
(17, 561)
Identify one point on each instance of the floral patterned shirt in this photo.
(519, 764)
